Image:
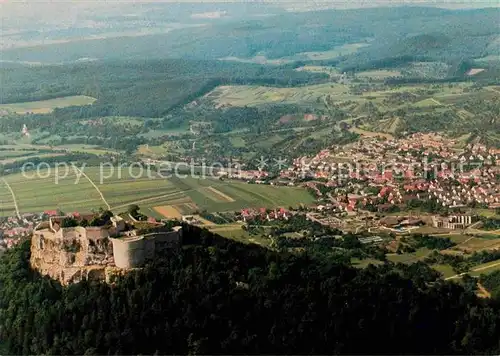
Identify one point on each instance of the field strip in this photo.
(225, 197)
(95, 186)
(473, 270)
(253, 194)
(13, 198)
(150, 199)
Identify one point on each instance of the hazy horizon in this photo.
(55, 21)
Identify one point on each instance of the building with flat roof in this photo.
(454, 222)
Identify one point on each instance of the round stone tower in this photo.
(129, 252)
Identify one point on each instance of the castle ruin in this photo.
(72, 254)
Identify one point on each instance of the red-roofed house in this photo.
(409, 174)
(384, 191)
(410, 187)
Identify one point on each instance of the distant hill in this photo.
(409, 32)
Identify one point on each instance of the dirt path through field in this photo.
(436, 102)
(223, 196)
(13, 197)
(94, 185)
(473, 270)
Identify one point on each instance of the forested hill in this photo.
(141, 88)
(388, 32)
(220, 297)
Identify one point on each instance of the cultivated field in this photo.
(242, 95)
(168, 211)
(111, 188)
(7, 207)
(47, 106)
(216, 195)
(322, 95)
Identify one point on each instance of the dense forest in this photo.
(492, 282)
(140, 88)
(217, 296)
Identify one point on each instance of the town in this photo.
(420, 179)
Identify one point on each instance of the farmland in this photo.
(370, 108)
(47, 106)
(7, 207)
(241, 95)
(318, 95)
(71, 191)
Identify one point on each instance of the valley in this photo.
(240, 178)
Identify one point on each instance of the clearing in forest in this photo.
(47, 106)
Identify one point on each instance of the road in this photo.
(478, 269)
(13, 198)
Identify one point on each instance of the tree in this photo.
(218, 296)
(133, 209)
(69, 222)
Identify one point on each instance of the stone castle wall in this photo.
(69, 255)
(73, 254)
(133, 252)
